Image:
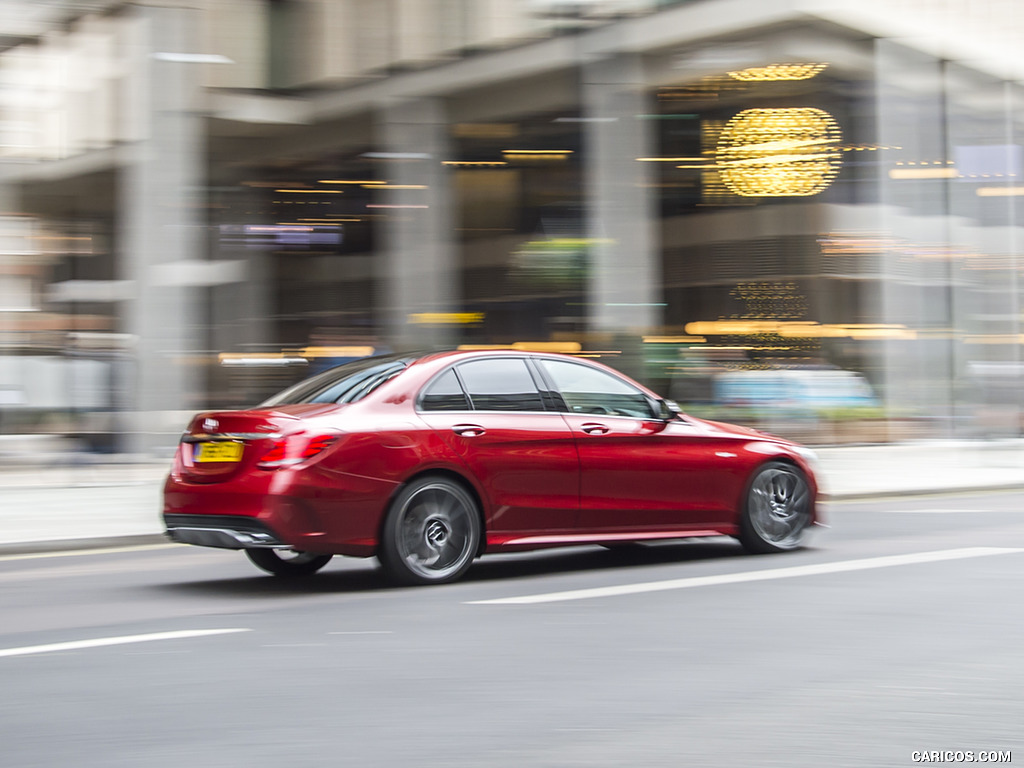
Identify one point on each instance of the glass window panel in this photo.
(589, 390)
(501, 385)
(445, 394)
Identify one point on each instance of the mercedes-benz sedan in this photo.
(428, 461)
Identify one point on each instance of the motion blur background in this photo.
(797, 214)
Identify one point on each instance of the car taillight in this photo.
(275, 457)
(285, 452)
(317, 445)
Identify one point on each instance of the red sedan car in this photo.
(427, 461)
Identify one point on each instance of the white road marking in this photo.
(935, 511)
(97, 551)
(841, 566)
(98, 642)
(295, 645)
(585, 730)
(365, 632)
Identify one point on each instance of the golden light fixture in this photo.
(800, 329)
(395, 186)
(788, 152)
(999, 191)
(446, 318)
(924, 173)
(474, 163)
(775, 72)
(537, 151)
(537, 155)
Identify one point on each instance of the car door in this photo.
(492, 414)
(637, 471)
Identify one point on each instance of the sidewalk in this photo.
(927, 466)
(117, 502)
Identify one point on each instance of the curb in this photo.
(74, 545)
(909, 492)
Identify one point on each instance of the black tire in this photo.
(776, 510)
(287, 562)
(431, 533)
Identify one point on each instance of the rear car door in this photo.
(638, 472)
(522, 452)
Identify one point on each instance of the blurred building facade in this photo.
(681, 186)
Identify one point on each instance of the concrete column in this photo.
(624, 276)
(241, 311)
(986, 377)
(10, 199)
(160, 241)
(917, 375)
(416, 267)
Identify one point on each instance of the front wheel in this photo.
(431, 532)
(777, 509)
(287, 562)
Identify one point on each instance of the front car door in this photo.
(491, 412)
(638, 471)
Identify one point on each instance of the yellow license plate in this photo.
(218, 452)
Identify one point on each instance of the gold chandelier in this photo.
(791, 152)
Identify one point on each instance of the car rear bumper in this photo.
(221, 531)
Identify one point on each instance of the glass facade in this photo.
(699, 209)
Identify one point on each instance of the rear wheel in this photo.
(287, 562)
(431, 533)
(777, 509)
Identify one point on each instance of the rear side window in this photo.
(502, 384)
(445, 394)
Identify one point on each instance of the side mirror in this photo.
(666, 410)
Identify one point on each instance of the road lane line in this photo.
(365, 632)
(98, 642)
(841, 566)
(96, 551)
(938, 511)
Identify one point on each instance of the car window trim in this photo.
(550, 395)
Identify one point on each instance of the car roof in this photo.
(450, 356)
(496, 351)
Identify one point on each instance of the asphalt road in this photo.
(897, 631)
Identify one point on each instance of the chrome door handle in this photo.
(593, 428)
(468, 430)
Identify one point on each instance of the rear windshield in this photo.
(344, 384)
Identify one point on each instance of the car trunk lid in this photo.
(219, 445)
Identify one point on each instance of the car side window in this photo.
(589, 390)
(502, 384)
(445, 394)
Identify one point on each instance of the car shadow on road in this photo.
(634, 558)
(356, 577)
(349, 575)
